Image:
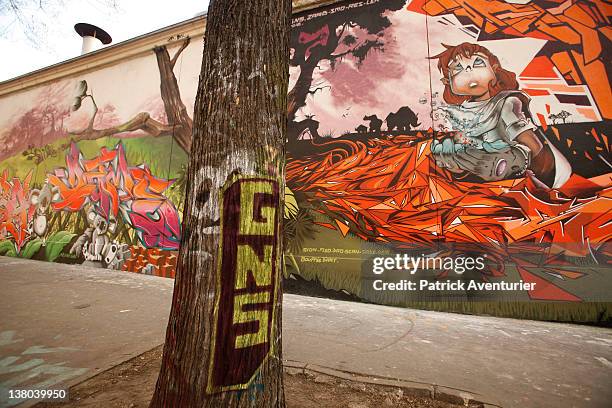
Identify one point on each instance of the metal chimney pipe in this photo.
(93, 37)
(90, 44)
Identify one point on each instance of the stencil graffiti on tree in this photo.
(247, 282)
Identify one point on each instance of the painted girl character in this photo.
(496, 138)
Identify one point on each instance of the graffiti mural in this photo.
(102, 198)
(93, 170)
(576, 34)
(460, 127)
(89, 177)
(112, 189)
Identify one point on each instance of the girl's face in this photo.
(471, 76)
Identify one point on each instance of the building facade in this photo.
(435, 128)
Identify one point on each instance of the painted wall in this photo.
(93, 167)
(453, 128)
(386, 152)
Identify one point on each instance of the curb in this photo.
(411, 388)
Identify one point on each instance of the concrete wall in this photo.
(105, 187)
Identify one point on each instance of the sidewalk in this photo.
(61, 324)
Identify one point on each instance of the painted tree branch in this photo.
(296, 98)
(356, 49)
(297, 95)
(95, 112)
(308, 56)
(179, 125)
(178, 53)
(176, 112)
(318, 88)
(141, 121)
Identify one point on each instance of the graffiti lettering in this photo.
(102, 198)
(16, 212)
(247, 283)
(113, 188)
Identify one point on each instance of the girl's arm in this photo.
(542, 158)
(530, 139)
(520, 128)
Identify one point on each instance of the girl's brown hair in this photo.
(504, 80)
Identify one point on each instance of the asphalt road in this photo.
(60, 324)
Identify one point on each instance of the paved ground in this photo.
(61, 324)
(515, 363)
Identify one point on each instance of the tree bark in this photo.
(223, 341)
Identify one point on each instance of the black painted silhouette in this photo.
(563, 115)
(361, 129)
(402, 120)
(333, 39)
(308, 124)
(375, 123)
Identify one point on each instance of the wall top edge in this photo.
(124, 50)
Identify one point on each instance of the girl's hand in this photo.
(444, 152)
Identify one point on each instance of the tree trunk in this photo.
(223, 342)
